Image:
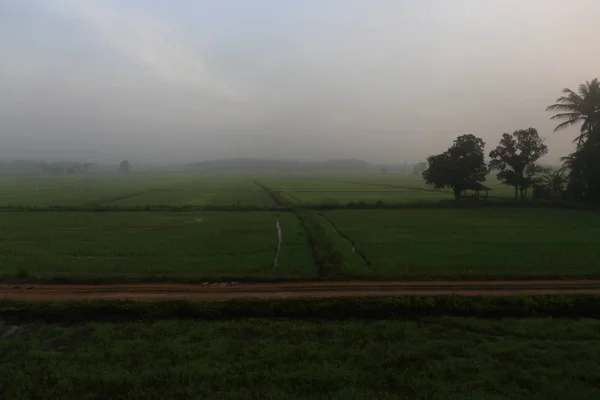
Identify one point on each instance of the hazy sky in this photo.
(381, 80)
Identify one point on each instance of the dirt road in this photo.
(225, 291)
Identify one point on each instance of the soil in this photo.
(232, 290)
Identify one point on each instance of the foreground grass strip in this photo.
(433, 358)
(568, 306)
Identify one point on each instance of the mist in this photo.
(186, 81)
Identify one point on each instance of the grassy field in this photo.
(370, 189)
(182, 189)
(475, 243)
(433, 358)
(123, 245)
(392, 244)
(130, 190)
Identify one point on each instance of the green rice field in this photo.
(125, 241)
(475, 243)
(138, 246)
(187, 189)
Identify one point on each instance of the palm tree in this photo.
(582, 108)
(555, 180)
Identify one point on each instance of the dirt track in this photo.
(224, 291)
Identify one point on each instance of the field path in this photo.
(225, 291)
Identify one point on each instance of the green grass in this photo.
(368, 188)
(138, 246)
(410, 243)
(130, 190)
(295, 257)
(476, 243)
(434, 358)
(488, 243)
(353, 263)
(137, 190)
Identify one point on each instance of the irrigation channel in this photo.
(279, 237)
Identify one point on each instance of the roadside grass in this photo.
(433, 358)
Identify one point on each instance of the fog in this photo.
(189, 80)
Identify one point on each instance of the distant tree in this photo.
(419, 167)
(461, 165)
(515, 159)
(384, 170)
(125, 167)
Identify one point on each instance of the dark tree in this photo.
(556, 181)
(460, 166)
(582, 108)
(125, 167)
(583, 165)
(515, 158)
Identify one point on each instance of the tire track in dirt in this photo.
(224, 291)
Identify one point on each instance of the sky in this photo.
(387, 81)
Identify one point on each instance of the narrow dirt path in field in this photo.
(224, 291)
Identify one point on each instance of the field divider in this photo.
(278, 200)
(120, 197)
(343, 235)
(387, 185)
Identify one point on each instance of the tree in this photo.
(460, 166)
(583, 164)
(582, 108)
(515, 159)
(555, 180)
(125, 167)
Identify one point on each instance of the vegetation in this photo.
(582, 108)
(151, 246)
(154, 236)
(515, 158)
(480, 243)
(130, 191)
(327, 309)
(459, 166)
(328, 258)
(125, 167)
(433, 358)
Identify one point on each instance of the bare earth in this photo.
(225, 291)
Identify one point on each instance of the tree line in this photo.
(515, 158)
